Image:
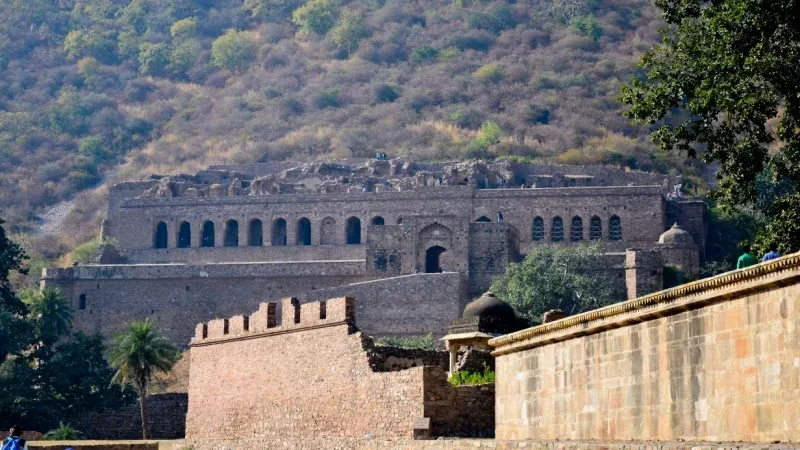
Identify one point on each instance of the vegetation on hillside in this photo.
(94, 90)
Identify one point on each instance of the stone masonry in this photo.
(310, 373)
(714, 360)
(190, 248)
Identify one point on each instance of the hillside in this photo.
(97, 90)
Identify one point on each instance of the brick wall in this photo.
(166, 419)
(301, 375)
(713, 360)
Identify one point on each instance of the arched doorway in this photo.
(255, 235)
(185, 235)
(353, 231)
(303, 232)
(160, 236)
(279, 232)
(208, 234)
(231, 234)
(432, 263)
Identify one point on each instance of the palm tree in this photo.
(52, 313)
(138, 353)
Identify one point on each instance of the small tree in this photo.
(349, 31)
(553, 277)
(233, 50)
(51, 312)
(315, 17)
(139, 353)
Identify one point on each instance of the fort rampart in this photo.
(309, 372)
(714, 360)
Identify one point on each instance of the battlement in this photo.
(294, 317)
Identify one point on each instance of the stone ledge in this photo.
(685, 297)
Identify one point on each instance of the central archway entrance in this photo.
(432, 263)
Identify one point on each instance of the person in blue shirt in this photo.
(15, 441)
(772, 254)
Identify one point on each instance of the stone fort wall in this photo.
(309, 372)
(713, 360)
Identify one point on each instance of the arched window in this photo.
(185, 235)
(353, 232)
(327, 231)
(615, 229)
(82, 301)
(160, 236)
(538, 229)
(576, 229)
(557, 230)
(303, 232)
(595, 229)
(279, 232)
(255, 233)
(231, 234)
(483, 219)
(208, 234)
(378, 220)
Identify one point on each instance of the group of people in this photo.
(748, 258)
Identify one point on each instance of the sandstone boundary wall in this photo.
(166, 414)
(713, 360)
(311, 373)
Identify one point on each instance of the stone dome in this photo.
(677, 237)
(489, 307)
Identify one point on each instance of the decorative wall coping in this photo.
(729, 285)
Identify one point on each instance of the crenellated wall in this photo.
(308, 371)
(713, 360)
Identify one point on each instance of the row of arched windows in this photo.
(255, 233)
(576, 231)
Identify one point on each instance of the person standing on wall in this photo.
(772, 254)
(14, 441)
(499, 217)
(747, 259)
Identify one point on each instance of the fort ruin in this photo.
(412, 242)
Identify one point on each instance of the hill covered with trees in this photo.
(97, 90)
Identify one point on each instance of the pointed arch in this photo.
(353, 231)
(303, 232)
(160, 236)
(576, 229)
(279, 232)
(208, 234)
(557, 229)
(231, 238)
(537, 234)
(255, 233)
(595, 229)
(184, 235)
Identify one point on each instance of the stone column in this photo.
(453, 349)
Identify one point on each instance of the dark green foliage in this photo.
(471, 118)
(587, 26)
(722, 72)
(327, 99)
(553, 277)
(537, 115)
(15, 332)
(496, 18)
(674, 276)
(385, 93)
(424, 53)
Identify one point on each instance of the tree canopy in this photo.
(723, 84)
(555, 277)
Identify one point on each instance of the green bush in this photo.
(62, 433)
(424, 53)
(233, 50)
(536, 114)
(385, 93)
(470, 118)
(349, 31)
(587, 26)
(153, 59)
(184, 28)
(489, 73)
(423, 342)
(499, 17)
(315, 17)
(468, 378)
(328, 98)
